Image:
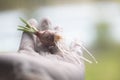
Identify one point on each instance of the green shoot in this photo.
(28, 28)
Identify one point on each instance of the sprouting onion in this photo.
(47, 37)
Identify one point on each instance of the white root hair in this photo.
(73, 52)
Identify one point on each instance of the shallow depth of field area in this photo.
(96, 23)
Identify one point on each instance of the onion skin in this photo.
(47, 38)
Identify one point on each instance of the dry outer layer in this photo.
(48, 37)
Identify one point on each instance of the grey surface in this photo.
(27, 64)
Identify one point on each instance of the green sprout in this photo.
(28, 28)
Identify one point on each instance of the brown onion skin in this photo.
(46, 38)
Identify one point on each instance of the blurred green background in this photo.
(95, 22)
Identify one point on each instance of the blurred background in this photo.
(95, 22)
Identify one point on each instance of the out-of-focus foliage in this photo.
(107, 52)
(15, 4)
(104, 40)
